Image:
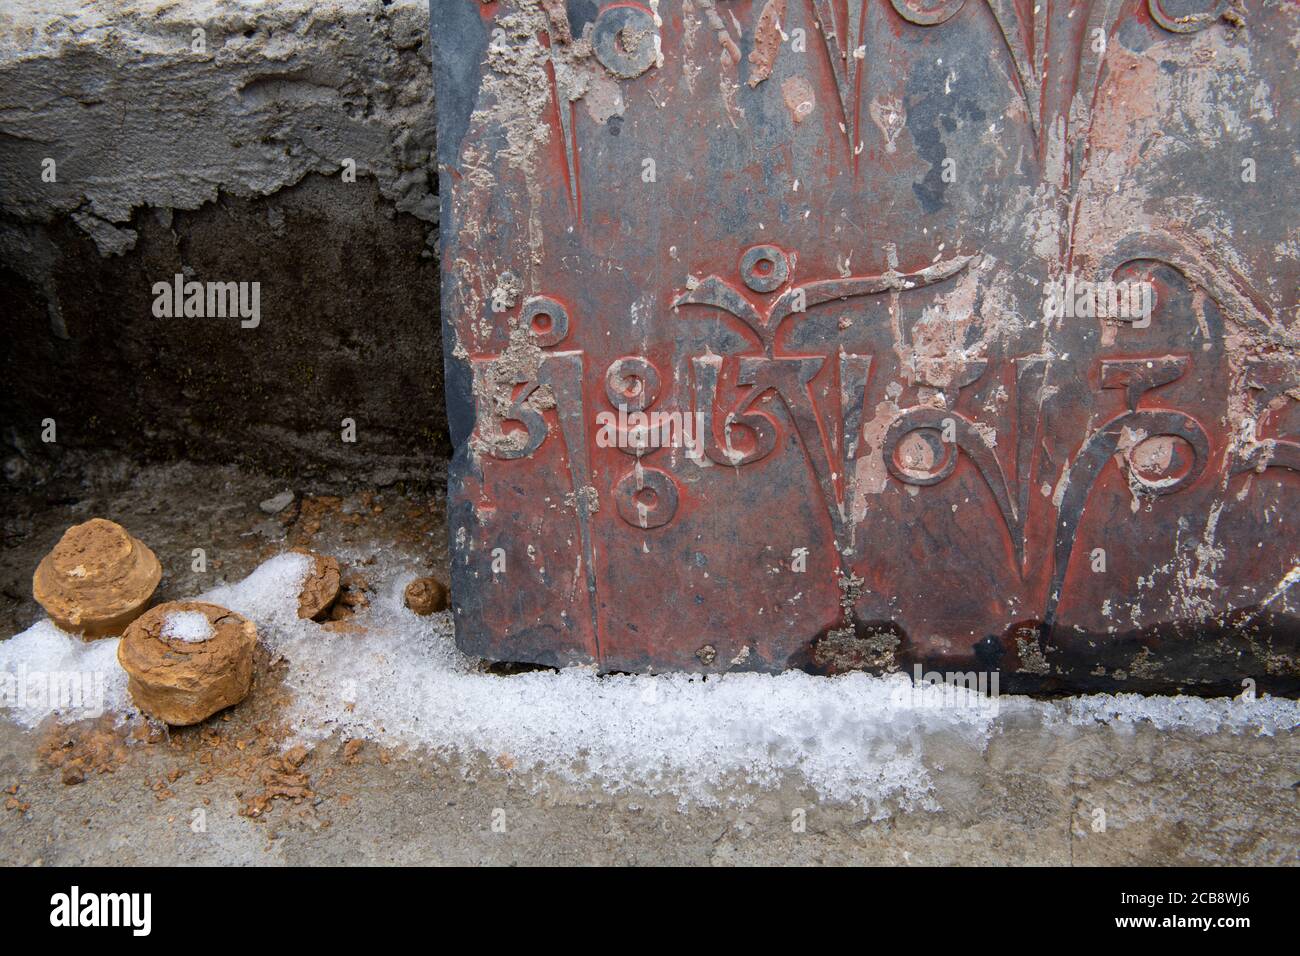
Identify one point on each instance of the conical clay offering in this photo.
(186, 660)
(97, 580)
(426, 595)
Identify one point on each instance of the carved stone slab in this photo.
(834, 334)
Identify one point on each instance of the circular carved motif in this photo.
(914, 448)
(916, 453)
(764, 268)
(646, 497)
(1186, 16)
(1172, 454)
(624, 40)
(632, 382)
(927, 13)
(547, 321)
(1161, 459)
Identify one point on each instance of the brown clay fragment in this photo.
(354, 591)
(426, 595)
(179, 675)
(321, 588)
(97, 580)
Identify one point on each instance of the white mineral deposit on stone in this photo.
(192, 627)
(867, 740)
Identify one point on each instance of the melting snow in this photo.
(45, 670)
(854, 738)
(192, 627)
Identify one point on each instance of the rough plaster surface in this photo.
(135, 117)
(221, 165)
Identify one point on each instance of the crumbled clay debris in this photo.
(93, 747)
(12, 802)
(311, 512)
(73, 776)
(355, 591)
(282, 779)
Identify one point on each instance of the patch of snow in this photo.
(848, 737)
(269, 596)
(45, 670)
(192, 627)
(854, 738)
(1261, 716)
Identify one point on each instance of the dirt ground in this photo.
(225, 792)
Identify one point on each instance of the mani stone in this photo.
(182, 677)
(426, 595)
(936, 372)
(97, 580)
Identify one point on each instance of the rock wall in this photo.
(282, 144)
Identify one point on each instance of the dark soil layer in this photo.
(349, 329)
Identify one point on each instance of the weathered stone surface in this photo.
(226, 165)
(857, 257)
(97, 580)
(183, 681)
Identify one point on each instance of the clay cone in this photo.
(184, 681)
(426, 595)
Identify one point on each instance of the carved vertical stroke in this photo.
(844, 64)
(562, 371)
(564, 117)
(1013, 35)
(1031, 376)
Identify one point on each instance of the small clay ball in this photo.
(426, 595)
(97, 580)
(186, 660)
(321, 588)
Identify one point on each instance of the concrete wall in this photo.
(221, 156)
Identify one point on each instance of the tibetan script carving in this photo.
(967, 330)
